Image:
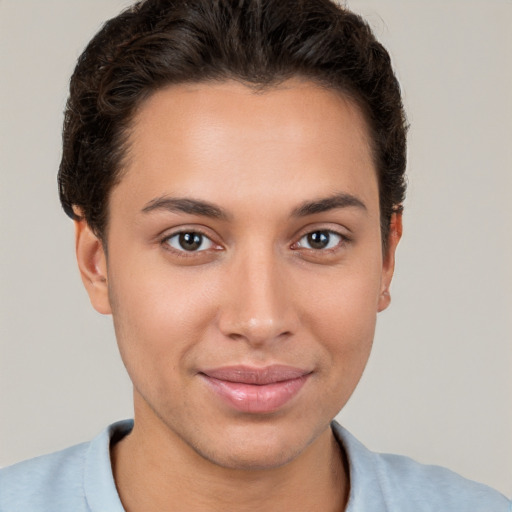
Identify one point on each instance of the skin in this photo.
(256, 293)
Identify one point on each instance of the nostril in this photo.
(259, 338)
(258, 318)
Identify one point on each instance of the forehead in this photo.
(224, 140)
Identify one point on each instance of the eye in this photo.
(320, 240)
(189, 241)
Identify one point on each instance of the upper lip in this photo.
(254, 375)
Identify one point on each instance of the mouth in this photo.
(255, 390)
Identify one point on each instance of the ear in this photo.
(388, 264)
(92, 263)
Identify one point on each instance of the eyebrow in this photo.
(185, 205)
(206, 209)
(341, 200)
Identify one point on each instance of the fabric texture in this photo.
(80, 479)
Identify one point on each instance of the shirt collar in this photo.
(101, 494)
(365, 490)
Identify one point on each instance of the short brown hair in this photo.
(261, 43)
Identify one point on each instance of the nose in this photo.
(258, 308)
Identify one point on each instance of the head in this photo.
(260, 43)
(235, 171)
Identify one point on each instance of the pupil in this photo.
(318, 239)
(190, 241)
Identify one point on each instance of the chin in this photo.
(250, 457)
(261, 446)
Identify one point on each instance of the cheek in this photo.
(346, 327)
(342, 317)
(159, 318)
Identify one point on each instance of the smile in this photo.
(256, 390)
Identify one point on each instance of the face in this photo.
(245, 266)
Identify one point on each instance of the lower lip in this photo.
(256, 399)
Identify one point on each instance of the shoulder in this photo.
(49, 482)
(397, 483)
(428, 487)
(77, 478)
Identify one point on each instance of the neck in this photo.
(155, 472)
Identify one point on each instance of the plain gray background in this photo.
(438, 386)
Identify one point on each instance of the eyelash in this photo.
(165, 242)
(342, 240)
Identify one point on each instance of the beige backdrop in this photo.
(439, 384)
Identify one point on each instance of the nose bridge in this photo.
(258, 308)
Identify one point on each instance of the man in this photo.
(235, 171)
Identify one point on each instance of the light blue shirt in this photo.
(79, 479)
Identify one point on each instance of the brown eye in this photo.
(189, 241)
(319, 240)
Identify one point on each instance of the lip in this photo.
(256, 390)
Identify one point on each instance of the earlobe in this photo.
(92, 263)
(388, 264)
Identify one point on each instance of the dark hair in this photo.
(258, 42)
